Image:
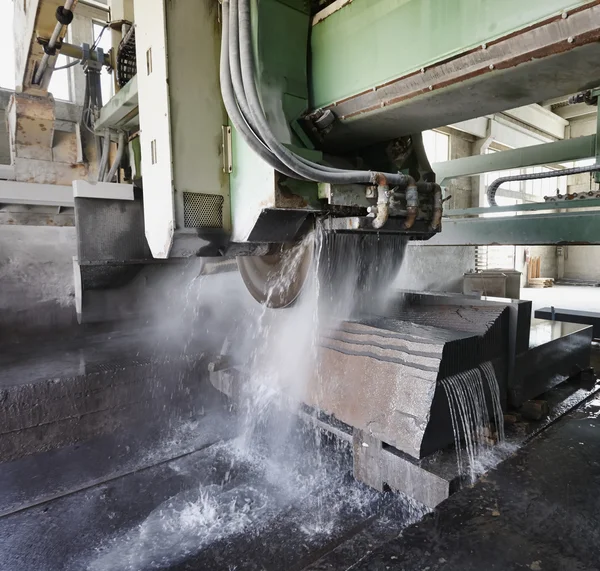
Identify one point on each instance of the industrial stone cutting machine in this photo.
(238, 124)
(243, 121)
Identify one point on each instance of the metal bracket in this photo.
(226, 149)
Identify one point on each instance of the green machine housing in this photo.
(346, 86)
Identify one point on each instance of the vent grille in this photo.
(202, 210)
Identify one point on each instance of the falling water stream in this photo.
(469, 412)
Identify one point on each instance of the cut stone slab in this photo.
(380, 376)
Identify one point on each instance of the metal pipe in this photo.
(120, 152)
(76, 52)
(438, 205)
(412, 205)
(104, 158)
(383, 204)
(39, 74)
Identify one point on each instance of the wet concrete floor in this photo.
(197, 497)
(221, 508)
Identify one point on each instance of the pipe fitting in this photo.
(383, 205)
(412, 205)
(438, 205)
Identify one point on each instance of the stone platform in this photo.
(66, 390)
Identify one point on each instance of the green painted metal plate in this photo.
(528, 230)
(574, 203)
(544, 154)
(370, 42)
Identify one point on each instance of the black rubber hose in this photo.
(231, 105)
(303, 167)
(238, 82)
(237, 79)
(493, 188)
(239, 95)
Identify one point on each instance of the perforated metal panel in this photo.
(202, 210)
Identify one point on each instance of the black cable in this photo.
(493, 188)
(67, 66)
(97, 40)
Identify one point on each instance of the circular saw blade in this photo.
(276, 280)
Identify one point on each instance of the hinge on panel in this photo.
(226, 151)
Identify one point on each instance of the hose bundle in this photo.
(243, 105)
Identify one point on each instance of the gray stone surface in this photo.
(379, 467)
(61, 392)
(36, 279)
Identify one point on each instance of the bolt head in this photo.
(565, 15)
(483, 46)
(491, 66)
(570, 39)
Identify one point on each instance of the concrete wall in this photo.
(582, 262)
(36, 278)
(435, 268)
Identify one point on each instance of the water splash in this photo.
(469, 413)
(250, 494)
(286, 469)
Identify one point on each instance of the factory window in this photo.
(437, 146)
(60, 83)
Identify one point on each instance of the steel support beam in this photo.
(576, 228)
(12, 192)
(531, 206)
(122, 109)
(544, 154)
(482, 58)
